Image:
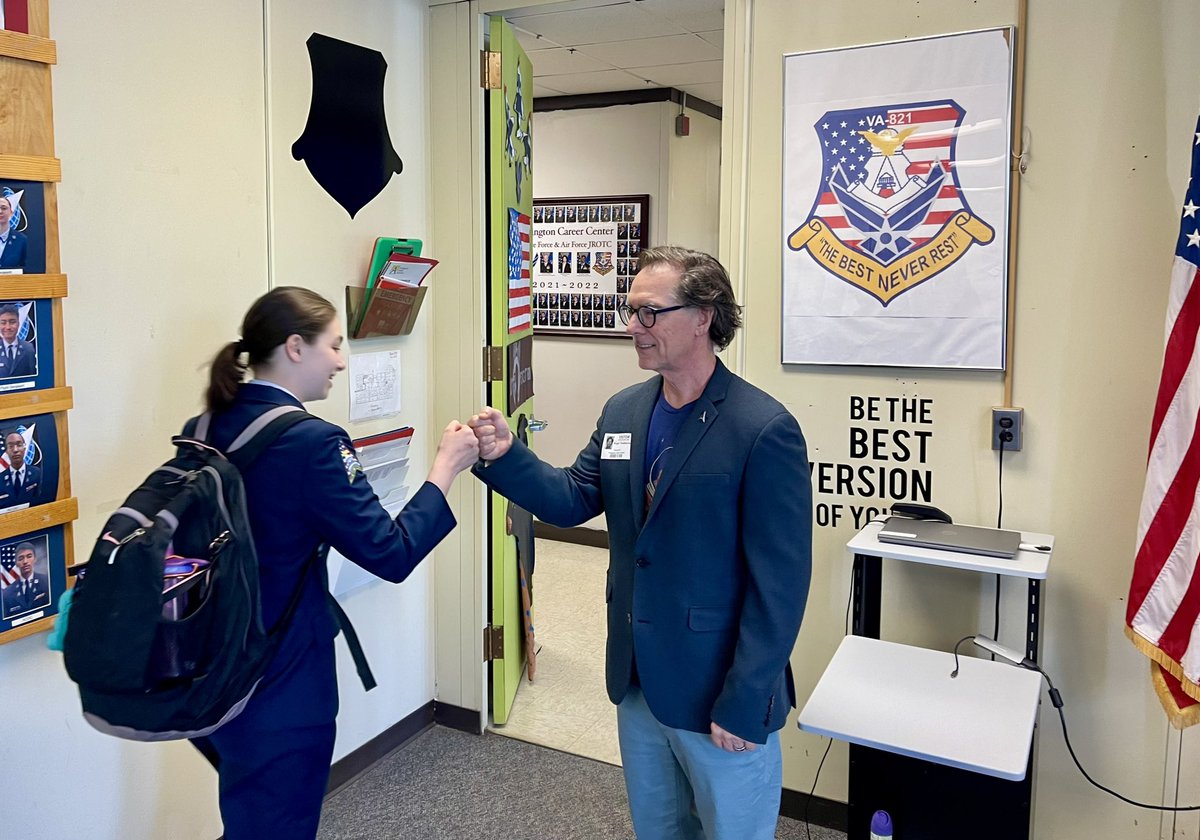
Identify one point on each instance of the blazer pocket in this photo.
(708, 479)
(709, 619)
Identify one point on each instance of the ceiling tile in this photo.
(644, 52)
(540, 89)
(716, 37)
(674, 75)
(530, 42)
(709, 92)
(562, 60)
(598, 25)
(693, 15)
(602, 82)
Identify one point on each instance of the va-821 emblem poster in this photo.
(896, 203)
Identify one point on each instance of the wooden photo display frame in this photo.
(34, 405)
(581, 268)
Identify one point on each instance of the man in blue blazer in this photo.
(705, 484)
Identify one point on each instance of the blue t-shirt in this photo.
(665, 424)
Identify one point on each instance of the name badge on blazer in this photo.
(616, 446)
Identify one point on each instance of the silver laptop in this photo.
(928, 533)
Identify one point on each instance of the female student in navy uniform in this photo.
(306, 489)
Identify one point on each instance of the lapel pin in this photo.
(703, 415)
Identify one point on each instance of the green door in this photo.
(510, 188)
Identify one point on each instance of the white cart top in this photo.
(1026, 563)
(902, 699)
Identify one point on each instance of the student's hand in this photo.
(457, 450)
(726, 740)
(495, 438)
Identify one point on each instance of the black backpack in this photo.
(155, 665)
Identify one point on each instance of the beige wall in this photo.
(180, 204)
(1110, 96)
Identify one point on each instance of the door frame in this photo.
(458, 230)
(456, 30)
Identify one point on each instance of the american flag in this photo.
(8, 564)
(518, 271)
(933, 128)
(1164, 595)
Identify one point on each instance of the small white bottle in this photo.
(881, 826)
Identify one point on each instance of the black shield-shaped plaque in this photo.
(346, 145)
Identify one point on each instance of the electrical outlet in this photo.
(1006, 428)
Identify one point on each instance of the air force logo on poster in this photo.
(890, 213)
(896, 169)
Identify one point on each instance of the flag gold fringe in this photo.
(1179, 718)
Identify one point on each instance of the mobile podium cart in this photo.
(946, 756)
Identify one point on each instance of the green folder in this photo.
(385, 246)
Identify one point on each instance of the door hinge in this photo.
(493, 643)
(490, 77)
(493, 364)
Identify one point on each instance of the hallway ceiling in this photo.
(597, 46)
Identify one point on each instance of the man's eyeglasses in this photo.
(647, 315)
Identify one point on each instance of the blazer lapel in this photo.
(639, 425)
(704, 414)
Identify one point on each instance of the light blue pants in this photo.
(682, 786)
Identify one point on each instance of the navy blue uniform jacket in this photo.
(709, 586)
(15, 252)
(25, 364)
(299, 494)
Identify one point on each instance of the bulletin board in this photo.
(585, 255)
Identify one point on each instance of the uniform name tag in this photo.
(616, 446)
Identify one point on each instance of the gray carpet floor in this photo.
(448, 785)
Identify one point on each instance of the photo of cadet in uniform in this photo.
(585, 301)
(18, 352)
(28, 462)
(560, 214)
(594, 213)
(25, 576)
(546, 262)
(553, 318)
(22, 227)
(622, 231)
(564, 262)
(605, 213)
(571, 214)
(539, 215)
(583, 262)
(21, 481)
(14, 247)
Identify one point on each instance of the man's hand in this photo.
(728, 741)
(492, 432)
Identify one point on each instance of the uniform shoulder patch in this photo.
(349, 461)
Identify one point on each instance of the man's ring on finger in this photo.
(739, 747)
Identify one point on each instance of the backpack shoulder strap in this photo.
(261, 432)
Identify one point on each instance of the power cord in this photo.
(812, 792)
(1057, 701)
(1005, 437)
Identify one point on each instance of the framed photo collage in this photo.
(585, 255)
